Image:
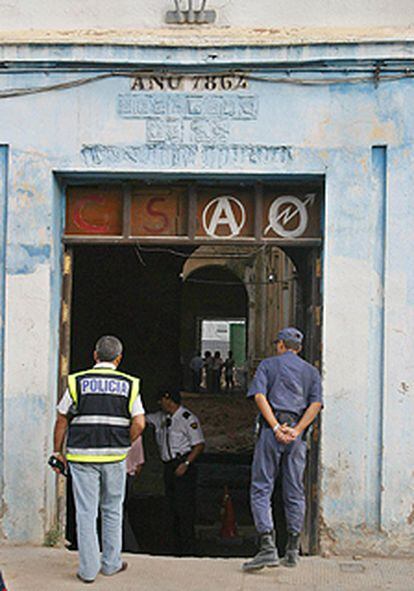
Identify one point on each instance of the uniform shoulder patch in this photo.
(186, 414)
(194, 425)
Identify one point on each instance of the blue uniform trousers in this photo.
(269, 456)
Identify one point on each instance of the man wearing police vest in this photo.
(107, 415)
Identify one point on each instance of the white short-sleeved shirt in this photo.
(175, 434)
(66, 400)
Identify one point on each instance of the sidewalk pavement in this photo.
(53, 569)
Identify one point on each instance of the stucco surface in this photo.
(368, 318)
(27, 14)
(195, 36)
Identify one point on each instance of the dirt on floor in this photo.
(227, 420)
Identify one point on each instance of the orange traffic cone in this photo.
(228, 519)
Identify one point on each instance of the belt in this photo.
(282, 417)
(179, 459)
(290, 418)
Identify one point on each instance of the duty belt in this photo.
(179, 459)
(290, 418)
(282, 417)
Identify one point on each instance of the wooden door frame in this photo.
(312, 321)
(64, 361)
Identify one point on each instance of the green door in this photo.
(238, 342)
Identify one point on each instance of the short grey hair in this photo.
(108, 348)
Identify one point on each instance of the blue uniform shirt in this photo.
(288, 382)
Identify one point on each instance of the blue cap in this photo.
(290, 334)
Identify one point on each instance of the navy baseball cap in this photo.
(289, 334)
(167, 392)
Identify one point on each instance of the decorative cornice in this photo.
(205, 36)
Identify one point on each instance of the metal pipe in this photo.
(190, 14)
(180, 13)
(200, 13)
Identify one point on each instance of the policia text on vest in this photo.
(103, 399)
(102, 413)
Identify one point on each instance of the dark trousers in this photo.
(216, 381)
(180, 492)
(229, 381)
(129, 542)
(196, 379)
(70, 515)
(209, 381)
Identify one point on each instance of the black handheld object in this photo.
(55, 463)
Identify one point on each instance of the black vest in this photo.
(102, 405)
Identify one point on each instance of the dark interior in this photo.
(140, 296)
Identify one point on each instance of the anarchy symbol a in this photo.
(227, 211)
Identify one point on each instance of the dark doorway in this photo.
(209, 293)
(138, 294)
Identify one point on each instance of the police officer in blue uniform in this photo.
(288, 394)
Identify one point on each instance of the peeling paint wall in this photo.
(3, 218)
(359, 136)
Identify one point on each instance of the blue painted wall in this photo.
(359, 136)
(3, 218)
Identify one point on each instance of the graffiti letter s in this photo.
(163, 223)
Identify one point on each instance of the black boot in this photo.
(267, 555)
(291, 557)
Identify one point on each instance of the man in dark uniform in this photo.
(180, 441)
(287, 391)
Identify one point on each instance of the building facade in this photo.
(316, 117)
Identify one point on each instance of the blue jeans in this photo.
(97, 485)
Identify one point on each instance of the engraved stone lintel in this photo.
(169, 129)
(177, 155)
(145, 105)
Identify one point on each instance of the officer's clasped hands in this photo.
(286, 434)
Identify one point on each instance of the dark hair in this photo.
(291, 344)
(207, 354)
(217, 354)
(173, 393)
(108, 348)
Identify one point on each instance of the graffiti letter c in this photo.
(80, 215)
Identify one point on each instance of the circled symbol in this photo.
(278, 219)
(226, 211)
